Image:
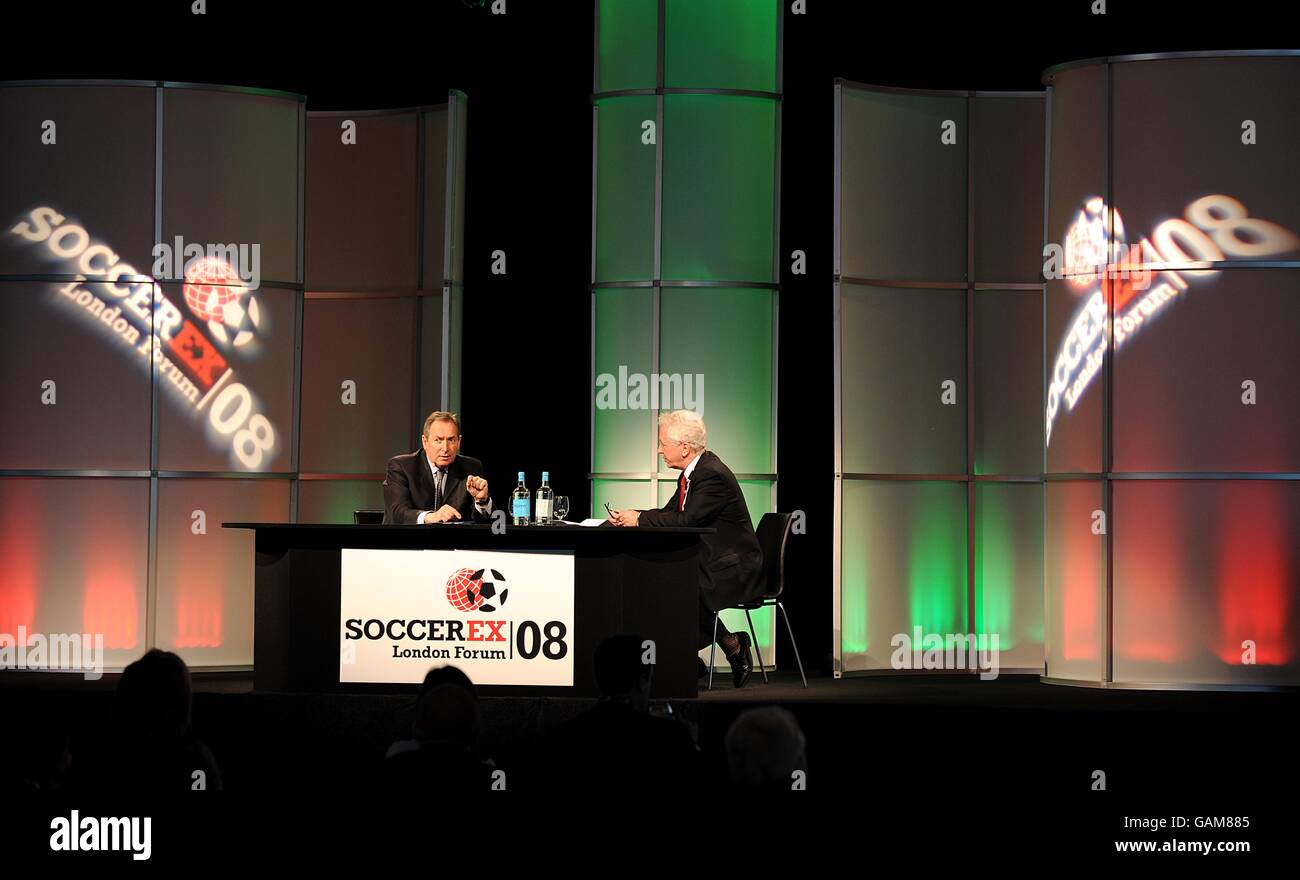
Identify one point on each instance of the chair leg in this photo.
(754, 635)
(790, 632)
(713, 649)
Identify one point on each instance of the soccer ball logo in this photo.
(213, 291)
(1095, 238)
(468, 591)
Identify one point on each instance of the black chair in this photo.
(773, 531)
(367, 517)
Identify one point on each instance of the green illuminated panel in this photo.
(721, 341)
(333, 501)
(718, 187)
(625, 437)
(619, 494)
(629, 35)
(1009, 569)
(625, 191)
(904, 565)
(721, 44)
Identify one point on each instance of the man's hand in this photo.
(478, 487)
(443, 514)
(625, 517)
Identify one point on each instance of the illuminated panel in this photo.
(908, 224)
(1180, 404)
(1008, 210)
(1159, 169)
(1204, 570)
(361, 203)
(213, 340)
(243, 418)
(97, 128)
(898, 348)
(619, 494)
(718, 342)
(1147, 280)
(60, 577)
(1076, 340)
(719, 187)
(625, 424)
(627, 53)
(96, 414)
(625, 190)
(205, 578)
(904, 565)
(724, 44)
(210, 199)
(371, 343)
(1008, 382)
(1074, 582)
(1009, 569)
(1078, 147)
(333, 501)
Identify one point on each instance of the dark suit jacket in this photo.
(731, 563)
(408, 488)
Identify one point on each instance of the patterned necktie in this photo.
(681, 493)
(437, 488)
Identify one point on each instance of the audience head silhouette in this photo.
(621, 670)
(154, 698)
(764, 749)
(448, 714)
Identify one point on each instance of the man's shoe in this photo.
(742, 665)
(701, 670)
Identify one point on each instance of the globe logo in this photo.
(214, 291)
(468, 591)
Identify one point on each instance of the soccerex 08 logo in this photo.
(468, 591)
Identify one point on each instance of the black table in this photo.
(626, 580)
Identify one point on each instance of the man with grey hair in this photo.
(436, 484)
(708, 496)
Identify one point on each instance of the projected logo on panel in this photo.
(1099, 263)
(193, 353)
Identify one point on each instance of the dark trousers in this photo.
(706, 626)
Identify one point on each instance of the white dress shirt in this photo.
(484, 507)
(681, 502)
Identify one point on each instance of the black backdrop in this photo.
(528, 75)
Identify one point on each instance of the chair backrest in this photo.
(367, 517)
(773, 529)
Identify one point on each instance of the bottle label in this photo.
(519, 508)
(543, 508)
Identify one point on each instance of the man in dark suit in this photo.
(708, 496)
(436, 484)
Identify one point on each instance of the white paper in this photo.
(592, 522)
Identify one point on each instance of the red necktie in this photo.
(681, 493)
